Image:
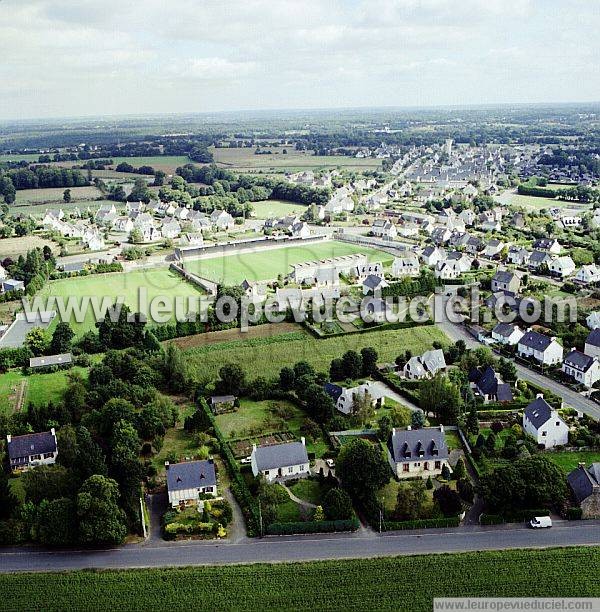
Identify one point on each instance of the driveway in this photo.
(385, 390)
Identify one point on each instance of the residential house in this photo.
(432, 255)
(542, 348)
(543, 423)
(189, 480)
(593, 320)
(474, 245)
(135, 207)
(539, 258)
(407, 230)
(255, 292)
(493, 249)
(222, 220)
(192, 239)
(406, 266)
(30, 450)
(170, 228)
(344, 397)
(507, 333)
(585, 486)
(375, 309)
(426, 365)
(583, 368)
(11, 284)
(123, 224)
(441, 235)
(588, 274)
(300, 230)
(280, 461)
(384, 228)
(106, 214)
(418, 452)
(467, 216)
(48, 361)
(505, 280)
(550, 245)
(562, 266)
(373, 284)
(489, 385)
(364, 270)
(518, 256)
(150, 233)
(592, 343)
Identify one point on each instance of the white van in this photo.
(539, 522)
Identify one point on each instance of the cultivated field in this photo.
(276, 208)
(293, 161)
(266, 356)
(156, 282)
(54, 195)
(166, 163)
(13, 247)
(269, 263)
(353, 584)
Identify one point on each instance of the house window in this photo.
(438, 465)
(405, 467)
(557, 423)
(290, 470)
(48, 455)
(266, 472)
(35, 457)
(426, 465)
(543, 433)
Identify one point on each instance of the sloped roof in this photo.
(191, 475)
(31, 444)
(582, 481)
(535, 340)
(594, 337)
(538, 412)
(403, 442)
(579, 361)
(280, 455)
(333, 390)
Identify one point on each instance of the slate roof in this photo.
(191, 475)
(372, 281)
(579, 361)
(31, 444)
(50, 360)
(538, 412)
(594, 338)
(535, 340)
(222, 399)
(503, 276)
(582, 481)
(539, 257)
(504, 329)
(280, 455)
(334, 391)
(412, 442)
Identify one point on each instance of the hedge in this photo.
(453, 521)
(525, 515)
(574, 514)
(313, 527)
(491, 519)
(365, 330)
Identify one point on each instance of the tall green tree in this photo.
(362, 469)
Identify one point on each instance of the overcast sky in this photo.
(94, 57)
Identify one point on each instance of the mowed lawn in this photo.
(394, 583)
(568, 461)
(268, 264)
(276, 208)
(266, 356)
(127, 285)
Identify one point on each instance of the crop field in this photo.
(276, 208)
(30, 157)
(266, 356)
(54, 195)
(292, 161)
(268, 264)
(166, 163)
(395, 583)
(13, 247)
(108, 287)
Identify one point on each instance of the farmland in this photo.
(268, 264)
(337, 584)
(292, 161)
(266, 356)
(13, 247)
(107, 287)
(166, 163)
(54, 195)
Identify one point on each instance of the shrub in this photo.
(453, 521)
(465, 490)
(497, 427)
(574, 514)
(313, 527)
(491, 519)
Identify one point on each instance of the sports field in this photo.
(292, 161)
(268, 264)
(276, 208)
(266, 356)
(108, 287)
(395, 583)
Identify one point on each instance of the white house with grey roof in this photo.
(344, 396)
(30, 450)
(540, 347)
(592, 343)
(504, 280)
(562, 266)
(426, 365)
(280, 461)
(585, 486)
(593, 320)
(543, 423)
(507, 333)
(416, 453)
(187, 481)
(582, 368)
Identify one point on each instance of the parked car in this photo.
(539, 522)
(246, 460)
(330, 463)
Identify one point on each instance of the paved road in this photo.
(363, 544)
(575, 400)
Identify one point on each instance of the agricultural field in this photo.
(268, 264)
(107, 287)
(266, 356)
(568, 461)
(166, 163)
(336, 584)
(276, 208)
(13, 247)
(29, 157)
(54, 195)
(292, 161)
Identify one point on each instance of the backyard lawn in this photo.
(266, 356)
(311, 491)
(108, 287)
(568, 461)
(268, 264)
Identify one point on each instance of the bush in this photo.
(497, 427)
(465, 490)
(453, 521)
(574, 514)
(491, 519)
(313, 527)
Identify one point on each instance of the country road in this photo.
(574, 400)
(363, 544)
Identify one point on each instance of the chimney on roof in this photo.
(167, 464)
(253, 448)
(408, 428)
(553, 338)
(53, 432)
(441, 428)
(8, 438)
(303, 440)
(539, 396)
